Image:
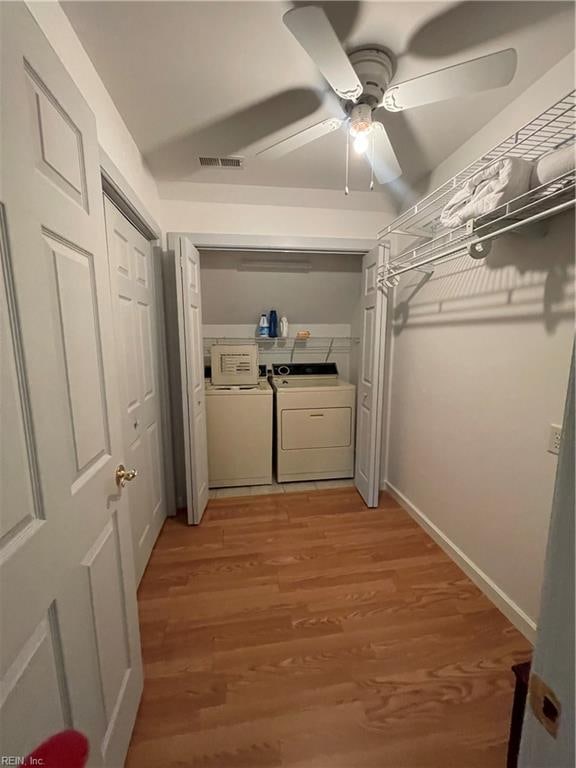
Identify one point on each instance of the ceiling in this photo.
(226, 78)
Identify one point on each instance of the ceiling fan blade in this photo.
(384, 162)
(492, 71)
(461, 26)
(301, 138)
(311, 27)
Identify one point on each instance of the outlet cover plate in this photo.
(554, 438)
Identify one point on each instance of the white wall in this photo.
(276, 220)
(322, 300)
(325, 294)
(113, 134)
(237, 209)
(480, 360)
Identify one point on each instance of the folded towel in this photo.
(486, 190)
(553, 164)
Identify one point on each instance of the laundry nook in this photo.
(311, 435)
(280, 391)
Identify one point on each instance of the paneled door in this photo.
(132, 277)
(189, 307)
(370, 380)
(69, 644)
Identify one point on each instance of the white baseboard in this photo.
(501, 600)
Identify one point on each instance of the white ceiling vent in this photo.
(236, 163)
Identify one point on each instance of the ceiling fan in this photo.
(362, 81)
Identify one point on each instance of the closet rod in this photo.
(465, 244)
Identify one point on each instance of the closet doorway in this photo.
(352, 333)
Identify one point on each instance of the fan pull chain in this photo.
(346, 187)
(372, 161)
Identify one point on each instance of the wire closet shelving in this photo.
(318, 346)
(431, 243)
(312, 343)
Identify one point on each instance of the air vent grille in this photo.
(222, 162)
(231, 162)
(210, 162)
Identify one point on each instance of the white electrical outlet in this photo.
(554, 439)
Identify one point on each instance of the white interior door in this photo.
(132, 277)
(370, 380)
(192, 374)
(69, 644)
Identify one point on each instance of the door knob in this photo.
(124, 475)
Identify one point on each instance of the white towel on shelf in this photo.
(553, 164)
(486, 190)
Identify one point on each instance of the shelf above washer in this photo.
(311, 344)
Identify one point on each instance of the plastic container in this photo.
(284, 327)
(263, 327)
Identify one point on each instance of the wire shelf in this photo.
(332, 343)
(431, 242)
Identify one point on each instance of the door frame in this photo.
(295, 244)
(120, 193)
(115, 186)
(284, 243)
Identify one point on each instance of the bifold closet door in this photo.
(69, 639)
(371, 380)
(134, 292)
(189, 306)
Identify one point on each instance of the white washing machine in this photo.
(239, 428)
(315, 422)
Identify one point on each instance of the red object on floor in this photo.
(68, 749)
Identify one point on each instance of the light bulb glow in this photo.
(361, 143)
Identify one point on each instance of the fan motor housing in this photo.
(375, 68)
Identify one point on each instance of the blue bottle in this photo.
(273, 324)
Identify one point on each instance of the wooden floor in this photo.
(307, 631)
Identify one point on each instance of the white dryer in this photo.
(315, 422)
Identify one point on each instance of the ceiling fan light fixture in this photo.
(360, 127)
(360, 119)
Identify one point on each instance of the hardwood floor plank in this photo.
(303, 630)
